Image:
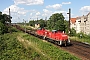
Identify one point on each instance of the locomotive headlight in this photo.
(68, 40)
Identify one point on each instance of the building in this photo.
(81, 24)
(37, 25)
(78, 29)
(74, 23)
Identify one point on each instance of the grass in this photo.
(47, 49)
(80, 39)
(27, 27)
(12, 49)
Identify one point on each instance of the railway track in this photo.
(79, 49)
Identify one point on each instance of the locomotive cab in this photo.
(54, 31)
(62, 38)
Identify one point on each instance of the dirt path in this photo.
(27, 44)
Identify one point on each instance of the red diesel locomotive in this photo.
(56, 36)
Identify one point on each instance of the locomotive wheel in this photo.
(44, 37)
(69, 41)
(60, 42)
(56, 42)
(65, 43)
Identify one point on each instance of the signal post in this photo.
(69, 19)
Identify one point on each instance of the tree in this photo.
(4, 18)
(42, 23)
(0, 13)
(66, 26)
(32, 23)
(59, 26)
(56, 21)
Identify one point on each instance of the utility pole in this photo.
(25, 26)
(9, 16)
(37, 19)
(45, 18)
(23, 22)
(69, 18)
(46, 21)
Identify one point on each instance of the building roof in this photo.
(78, 17)
(88, 13)
(73, 20)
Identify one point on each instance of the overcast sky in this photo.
(33, 9)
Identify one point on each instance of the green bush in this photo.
(72, 32)
(12, 29)
(82, 35)
(3, 28)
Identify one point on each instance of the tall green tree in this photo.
(4, 20)
(56, 21)
(66, 22)
(32, 23)
(0, 13)
(42, 23)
